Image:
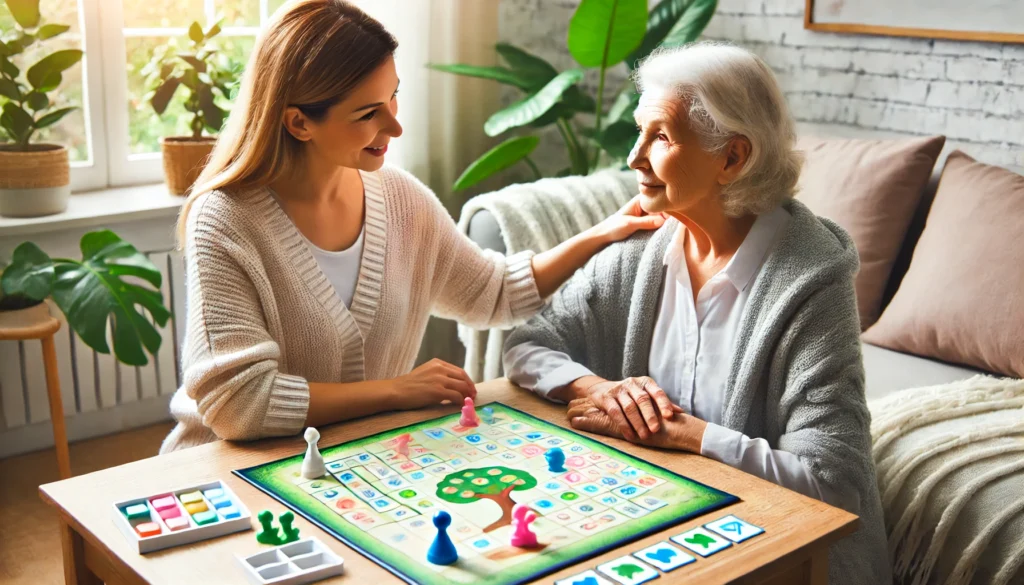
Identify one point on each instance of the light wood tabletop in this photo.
(793, 549)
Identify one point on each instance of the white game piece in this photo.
(296, 563)
(313, 463)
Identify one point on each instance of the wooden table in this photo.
(793, 550)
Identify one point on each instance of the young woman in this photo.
(312, 266)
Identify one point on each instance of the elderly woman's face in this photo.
(674, 173)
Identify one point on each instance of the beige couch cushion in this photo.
(870, 188)
(962, 300)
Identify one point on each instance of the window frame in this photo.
(105, 95)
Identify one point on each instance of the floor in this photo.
(29, 541)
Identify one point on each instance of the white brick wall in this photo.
(971, 92)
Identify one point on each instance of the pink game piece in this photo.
(402, 444)
(178, 523)
(522, 536)
(469, 418)
(163, 503)
(170, 512)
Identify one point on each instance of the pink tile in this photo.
(164, 503)
(177, 523)
(170, 512)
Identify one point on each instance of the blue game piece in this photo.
(556, 460)
(442, 550)
(488, 415)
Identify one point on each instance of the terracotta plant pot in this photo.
(184, 159)
(34, 182)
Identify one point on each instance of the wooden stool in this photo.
(37, 323)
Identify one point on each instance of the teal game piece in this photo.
(556, 460)
(207, 517)
(269, 533)
(290, 534)
(137, 512)
(488, 415)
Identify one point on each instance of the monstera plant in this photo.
(106, 287)
(602, 34)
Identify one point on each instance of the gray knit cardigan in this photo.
(796, 378)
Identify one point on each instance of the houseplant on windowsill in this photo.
(209, 79)
(91, 293)
(35, 179)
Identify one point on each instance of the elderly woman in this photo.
(732, 331)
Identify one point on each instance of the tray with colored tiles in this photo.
(181, 516)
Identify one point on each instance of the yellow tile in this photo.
(196, 507)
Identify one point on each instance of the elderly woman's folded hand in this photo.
(682, 431)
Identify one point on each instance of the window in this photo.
(114, 137)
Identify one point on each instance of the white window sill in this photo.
(100, 208)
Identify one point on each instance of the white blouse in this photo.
(691, 353)
(341, 268)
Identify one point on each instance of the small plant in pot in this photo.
(101, 292)
(35, 179)
(208, 78)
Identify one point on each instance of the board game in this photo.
(380, 502)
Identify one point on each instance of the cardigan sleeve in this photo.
(230, 362)
(479, 288)
(823, 406)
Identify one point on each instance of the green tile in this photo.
(207, 517)
(137, 511)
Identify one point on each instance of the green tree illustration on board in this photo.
(486, 483)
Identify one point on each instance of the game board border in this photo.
(729, 500)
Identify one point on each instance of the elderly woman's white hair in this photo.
(728, 91)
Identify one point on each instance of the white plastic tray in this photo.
(303, 561)
(194, 532)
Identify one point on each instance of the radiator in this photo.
(100, 394)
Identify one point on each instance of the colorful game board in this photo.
(381, 502)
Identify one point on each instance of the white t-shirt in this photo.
(341, 268)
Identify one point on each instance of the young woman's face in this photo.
(674, 172)
(356, 131)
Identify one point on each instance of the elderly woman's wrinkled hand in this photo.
(683, 432)
(636, 406)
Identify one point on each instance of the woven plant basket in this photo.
(34, 182)
(184, 159)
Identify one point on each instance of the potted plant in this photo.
(91, 293)
(209, 79)
(35, 179)
(602, 34)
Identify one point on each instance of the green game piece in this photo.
(137, 511)
(207, 517)
(627, 570)
(407, 494)
(269, 533)
(701, 540)
(570, 496)
(290, 534)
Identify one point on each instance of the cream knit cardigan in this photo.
(263, 320)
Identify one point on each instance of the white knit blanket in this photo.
(950, 465)
(538, 216)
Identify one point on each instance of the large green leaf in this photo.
(53, 117)
(533, 69)
(163, 94)
(45, 74)
(9, 89)
(92, 292)
(10, 69)
(48, 31)
(496, 160)
(659, 22)
(692, 23)
(25, 12)
(532, 106)
(21, 121)
(499, 74)
(37, 101)
(30, 273)
(618, 139)
(603, 32)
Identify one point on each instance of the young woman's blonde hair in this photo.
(311, 56)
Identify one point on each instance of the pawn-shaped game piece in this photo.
(469, 418)
(488, 415)
(556, 460)
(269, 533)
(289, 533)
(442, 550)
(522, 536)
(402, 444)
(313, 463)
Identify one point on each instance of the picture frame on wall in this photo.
(996, 21)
